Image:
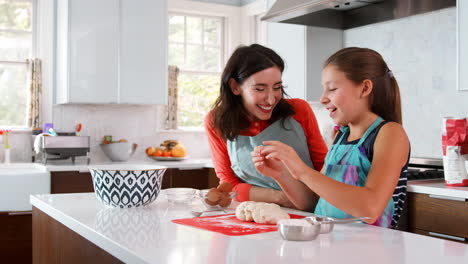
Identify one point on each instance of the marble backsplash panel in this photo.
(421, 52)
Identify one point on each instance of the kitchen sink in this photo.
(18, 181)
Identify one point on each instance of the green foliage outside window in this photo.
(197, 94)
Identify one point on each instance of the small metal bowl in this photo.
(298, 229)
(325, 223)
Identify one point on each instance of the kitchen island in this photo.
(74, 228)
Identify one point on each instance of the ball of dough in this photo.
(240, 211)
(262, 213)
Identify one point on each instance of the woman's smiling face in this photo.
(260, 93)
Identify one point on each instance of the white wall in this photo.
(421, 52)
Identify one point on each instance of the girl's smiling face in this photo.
(260, 93)
(341, 96)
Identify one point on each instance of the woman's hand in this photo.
(275, 151)
(269, 167)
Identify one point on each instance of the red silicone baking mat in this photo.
(228, 224)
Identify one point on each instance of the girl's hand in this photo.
(275, 151)
(269, 167)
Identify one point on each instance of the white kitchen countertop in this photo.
(437, 187)
(152, 238)
(184, 164)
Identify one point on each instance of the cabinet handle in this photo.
(447, 197)
(20, 213)
(191, 168)
(447, 236)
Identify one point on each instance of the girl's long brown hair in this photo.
(229, 114)
(360, 64)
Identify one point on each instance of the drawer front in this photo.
(194, 178)
(438, 215)
(16, 237)
(71, 182)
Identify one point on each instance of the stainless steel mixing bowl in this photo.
(289, 230)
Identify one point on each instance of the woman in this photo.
(250, 109)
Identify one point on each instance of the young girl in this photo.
(364, 171)
(251, 109)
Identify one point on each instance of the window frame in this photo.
(34, 51)
(222, 39)
(222, 56)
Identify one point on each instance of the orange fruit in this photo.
(158, 152)
(166, 153)
(179, 151)
(149, 151)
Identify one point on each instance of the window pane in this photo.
(14, 94)
(15, 15)
(211, 59)
(197, 94)
(15, 46)
(212, 34)
(194, 30)
(176, 29)
(176, 54)
(194, 58)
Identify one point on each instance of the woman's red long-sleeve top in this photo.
(219, 153)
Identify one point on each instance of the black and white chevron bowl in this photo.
(127, 186)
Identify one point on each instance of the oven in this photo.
(425, 169)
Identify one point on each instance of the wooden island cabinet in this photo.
(16, 227)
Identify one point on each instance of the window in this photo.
(16, 45)
(196, 46)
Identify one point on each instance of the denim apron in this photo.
(349, 164)
(240, 149)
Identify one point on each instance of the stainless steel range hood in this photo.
(345, 14)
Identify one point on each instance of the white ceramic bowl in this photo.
(120, 151)
(126, 186)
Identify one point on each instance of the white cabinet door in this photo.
(321, 43)
(289, 41)
(111, 51)
(93, 49)
(462, 18)
(87, 63)
(143, 49)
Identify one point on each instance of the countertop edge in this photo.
(104, 243)
(437, 187)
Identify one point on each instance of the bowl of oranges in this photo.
(169, 150)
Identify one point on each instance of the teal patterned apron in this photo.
(349, 164)
(241, 147)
